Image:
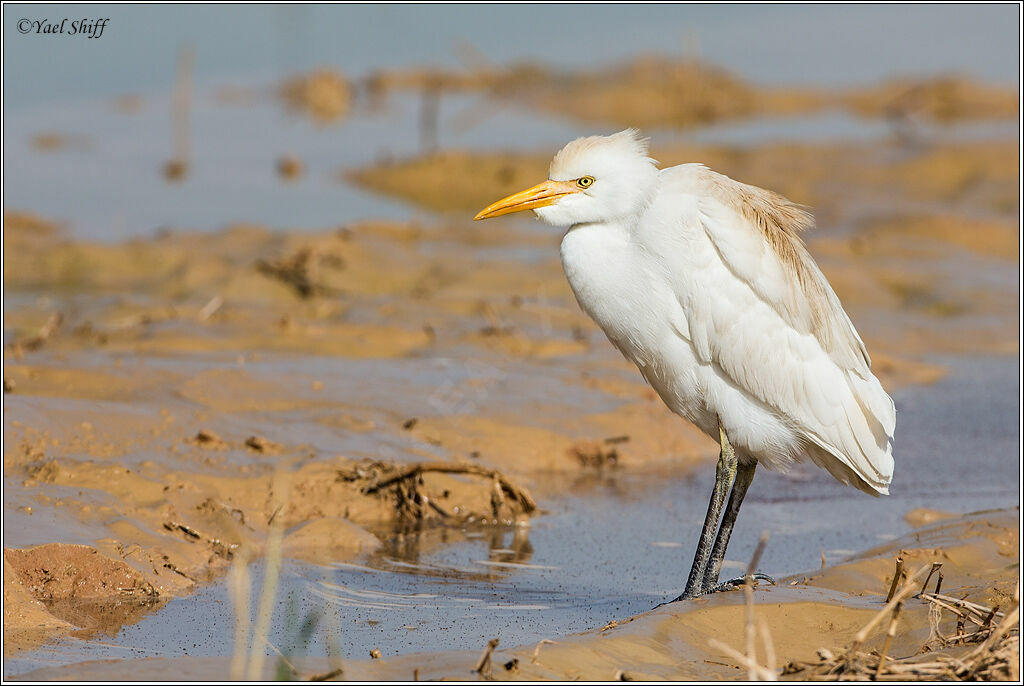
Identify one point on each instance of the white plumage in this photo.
(704, 283)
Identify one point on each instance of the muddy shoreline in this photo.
(145, 426)
(807, 613)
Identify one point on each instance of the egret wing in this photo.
(777, 330)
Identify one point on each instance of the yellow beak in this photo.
(541, 195)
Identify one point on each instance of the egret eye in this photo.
(585, 181)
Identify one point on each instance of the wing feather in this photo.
(813, 367)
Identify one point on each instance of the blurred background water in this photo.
(107, 185)
(833, 45)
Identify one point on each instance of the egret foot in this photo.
(724, 586)
(739, 581)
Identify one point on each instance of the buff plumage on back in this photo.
(810, 304)
(832, 398)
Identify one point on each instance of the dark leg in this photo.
(725, 474)
(744, 475)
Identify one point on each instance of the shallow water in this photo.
(106, 185)
(613, 545)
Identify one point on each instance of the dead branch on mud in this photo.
(518, 493)
(414, 503)
(997, 658)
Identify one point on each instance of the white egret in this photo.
(705, 284)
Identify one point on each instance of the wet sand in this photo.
(175, 403)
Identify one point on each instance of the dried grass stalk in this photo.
(997, 658)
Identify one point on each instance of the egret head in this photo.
(591, 180)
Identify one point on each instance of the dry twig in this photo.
(759, 672)
(483, 665)
(996, 658)
(896, 578)
(904, 593)
(536, 650)
(755, 671)
(516, 492)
